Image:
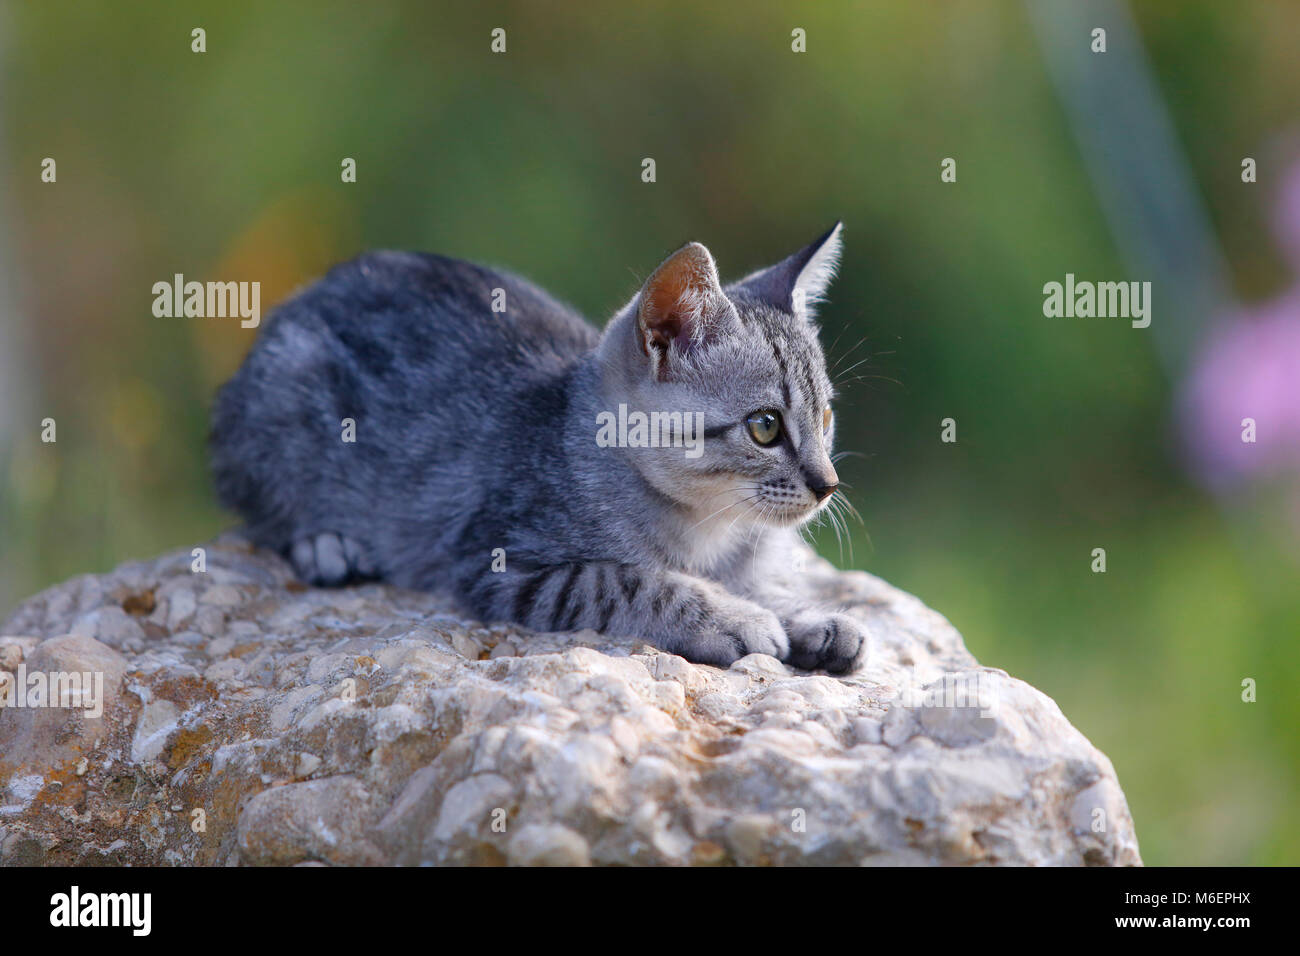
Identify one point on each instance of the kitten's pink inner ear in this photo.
(677, 295)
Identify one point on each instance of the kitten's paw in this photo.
(731, 635)
(834, 642)
(328, 560)
(760, 633)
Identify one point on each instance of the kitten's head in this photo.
(747, 357)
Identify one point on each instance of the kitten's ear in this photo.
(679, 304)
(798, 283)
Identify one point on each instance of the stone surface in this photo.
(248, 720)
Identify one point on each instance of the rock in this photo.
(320, 820)
(11, 653)
(112, 626)
(548, 844)
(249, 720)
(49, 740)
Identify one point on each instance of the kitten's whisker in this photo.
(866, 378)
(761, 524)
(845, 503)
(727, 491)
(824, 515)
(840, 376)
(836, 523)
(741, 501)
(753, 564)
(850, 351)
(733, 523)
(839, 335)
(849, 535)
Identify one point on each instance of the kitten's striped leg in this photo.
(681, 614)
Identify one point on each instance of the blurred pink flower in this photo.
(1249, 368)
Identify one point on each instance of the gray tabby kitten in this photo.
(478, 430)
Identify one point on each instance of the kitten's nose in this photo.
(822, 482)
(822, 491)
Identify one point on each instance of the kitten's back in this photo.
(407, 347)
(442, 309)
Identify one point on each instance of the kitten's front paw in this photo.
(834, 642)
(730, 635)
(760, 633)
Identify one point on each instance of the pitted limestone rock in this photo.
(250, 720)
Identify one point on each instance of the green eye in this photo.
(764, 427)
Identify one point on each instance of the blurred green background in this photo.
(225, 165)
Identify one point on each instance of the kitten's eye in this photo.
(826, 420)
(764, 427)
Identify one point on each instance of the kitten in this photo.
(475, 465)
